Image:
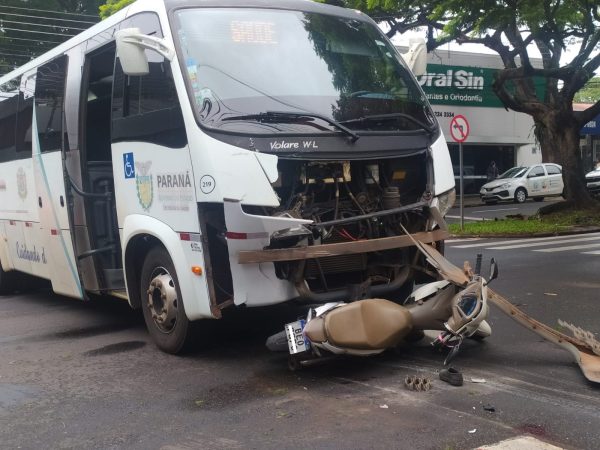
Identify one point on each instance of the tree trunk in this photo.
(559, 140)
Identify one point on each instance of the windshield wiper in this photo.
(391, 116)
(287, 116)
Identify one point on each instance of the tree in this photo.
(590, 93)
(28, 29)
(112, 6)
(517, 30)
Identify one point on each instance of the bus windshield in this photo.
(263, 71)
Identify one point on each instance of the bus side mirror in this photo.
(130, 50)
(416, 57)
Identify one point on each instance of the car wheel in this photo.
(162, 306)
(539, 199)
(520, 195)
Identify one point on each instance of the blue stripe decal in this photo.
(62, 238)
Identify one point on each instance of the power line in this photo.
(33, 40)
(38, 32)
(17, 55)
(49, 11)
(45, 18)
(14, 46)
(41, 25)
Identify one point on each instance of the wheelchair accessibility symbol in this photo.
(128, 165)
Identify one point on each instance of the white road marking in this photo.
(519, 443)
(518, 241)
(449, 241)
(564, 249)
(467, 218)
(494, 210)
(596, 252)
(564, 240)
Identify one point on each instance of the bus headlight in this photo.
(446, 201)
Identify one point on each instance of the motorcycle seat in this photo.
(363, 325)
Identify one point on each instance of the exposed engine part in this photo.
(391, 197)
(372, 174)
(349, 201)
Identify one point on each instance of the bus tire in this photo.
(162, 307)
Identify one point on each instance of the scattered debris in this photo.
(477, 380)
(199, 402)
(552, 294)
(585, 336)
(384, 406)
(416, 383)
(489, 408)
(451, 376)
(473, 430)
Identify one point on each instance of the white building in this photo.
(460, 83)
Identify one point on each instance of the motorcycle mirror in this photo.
(452, 353)
(493, 270)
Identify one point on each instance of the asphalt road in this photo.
(474, 210)
(85, 375)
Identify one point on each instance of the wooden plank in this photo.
(337, 249)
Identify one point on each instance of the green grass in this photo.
(553, 223)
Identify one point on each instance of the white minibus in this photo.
(196, 155)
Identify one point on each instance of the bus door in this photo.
(97, 170)
(49, 142)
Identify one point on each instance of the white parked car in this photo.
(592, 180)
(516, 184)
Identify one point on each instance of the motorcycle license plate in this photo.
(297, 342)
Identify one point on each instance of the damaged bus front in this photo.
(338, 147)
(310, 146)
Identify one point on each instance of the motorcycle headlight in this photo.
(446, 201)
(467, 307)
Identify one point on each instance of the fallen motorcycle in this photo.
(367, 327)
(457, 306)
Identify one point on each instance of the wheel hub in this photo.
(162, 302)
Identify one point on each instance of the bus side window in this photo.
(49, 96)
(146, 108)
(9, 100)
(24, 120)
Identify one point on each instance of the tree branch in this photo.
(532, 105)
(585, 52)
(585, 116)
(592, 65)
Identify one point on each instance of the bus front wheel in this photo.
(163, 309)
